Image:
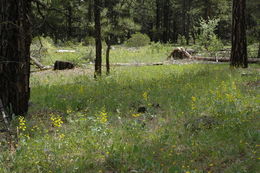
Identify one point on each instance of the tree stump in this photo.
(179, 53)
(63, 65)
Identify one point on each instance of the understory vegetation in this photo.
(177, 118)
(47, 52)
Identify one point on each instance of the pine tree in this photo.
(15, 40)
(239, 43)
(98, 60)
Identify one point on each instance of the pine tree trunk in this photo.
(98, 60)
(239, 43)
(166, 21)
(15, 40)
(158, 20)
(107, 57)
(69, 21)
(258, 55)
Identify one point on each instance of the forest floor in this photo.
(176, 118)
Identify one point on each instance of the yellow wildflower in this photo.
(145, 96)
(136, 115)
(56, 120)
(102, 116)
(193, 106)
(22, 125)
(61, 136)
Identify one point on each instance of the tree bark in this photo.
(158, 20)
(107, 57)
(239, 43)
(98, 60)
(69, 21)
(166, 21)
(15, 40)
(258, 55)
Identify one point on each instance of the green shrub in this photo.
(138, 40)
(207, 39)
(252, 50)
(41, 46)
(181, 40)
(89, 41)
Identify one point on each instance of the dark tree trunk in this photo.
(158, 20)
(239, 43)
(184, 22)
(107, 56)
(166, 21)
(69, 18)
(207, 9)
(98, 60)
(15, 40)
(258, 55)
(90, 10)
(187, 34)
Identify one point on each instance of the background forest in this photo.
(165, 21)
(150, 114)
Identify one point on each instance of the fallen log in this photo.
(138, 64)
(37, 63)
(250, 60)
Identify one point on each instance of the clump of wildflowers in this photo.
(145, 96)
(56, 120)
(193, 99)
(22, 123)
(102, 116)
(136, 115)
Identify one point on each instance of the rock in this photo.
(203, 122)
(191, 51)
(179, 53)
(63, 65)
(141, 109)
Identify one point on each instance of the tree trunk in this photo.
(98, 60)
(158, 20)
(258, 55)
(15, 40)
(239, 43)
(166, 21)
(69, 20)
(107, 56)
(184, 12)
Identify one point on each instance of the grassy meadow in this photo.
(196, 118)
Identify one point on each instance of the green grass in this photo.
(200, 118)
(119, 54)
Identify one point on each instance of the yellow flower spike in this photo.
(56, 120)
(145, 96)
(22, 123)
(136, 115)
(102, 116)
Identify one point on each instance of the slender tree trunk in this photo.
(15, 40)
(184, 12)
(166, 21)
(187, 35)
(107, 56)
(207, 9)
(158, 18)
(69, 18)
(98, 60)
(239, 43)
(258, 55)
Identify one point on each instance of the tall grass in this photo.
(198, 118)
